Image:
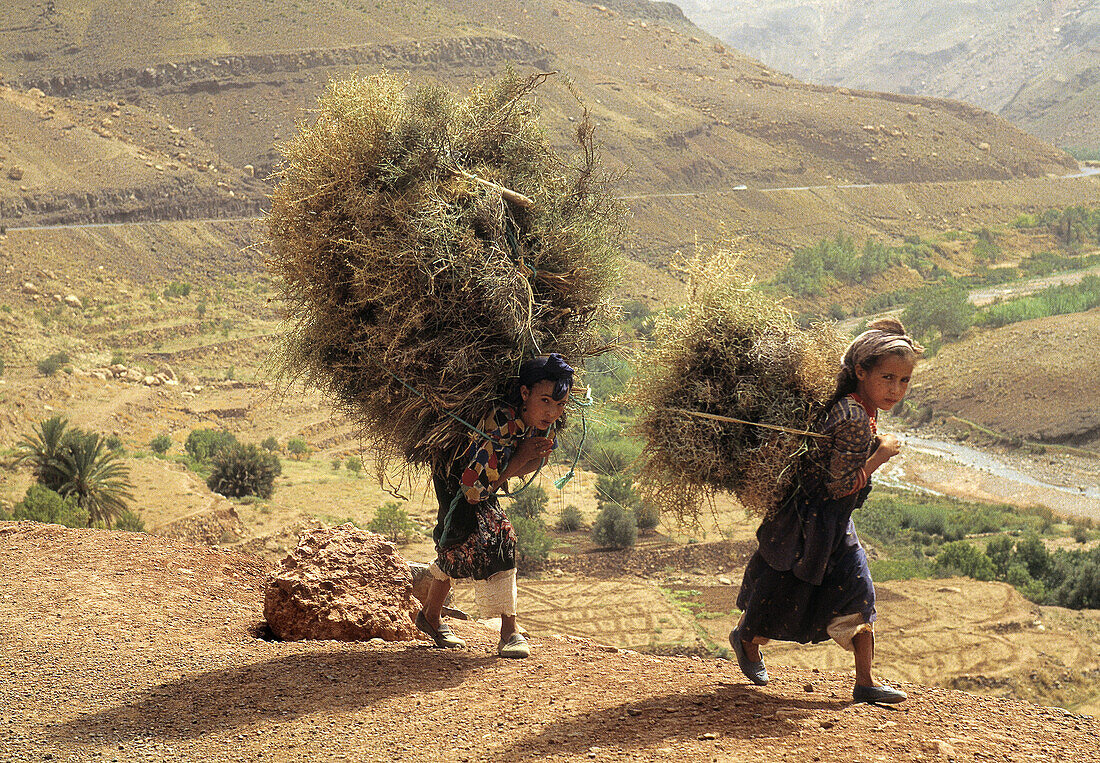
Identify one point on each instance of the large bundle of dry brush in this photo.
(426, 245)
(734, 353)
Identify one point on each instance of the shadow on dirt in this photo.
(730, 711)
(283, 689)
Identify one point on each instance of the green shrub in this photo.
(615, 527)
(336, 464)
(130, 522)
(1033, 554)
(114, 443)
(1054, 300)
(177, 289)
(962, 558)
(2, 367)
(647, 515)
(999, 550)
(529, 503)
(52, 364)
(160, 444)
(354, 464)
(297, 448)
(942, 310)
(1077, 580)
(812, 269)
(270, 444)
(393, 522)
(899, 569)
(240, 470)
(40, 504)
(533, 543)
(609, 452)
(570, 519)
(617, 489)
(203, 444)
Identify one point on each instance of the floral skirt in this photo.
(489, 545)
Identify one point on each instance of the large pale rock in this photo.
(343, 584)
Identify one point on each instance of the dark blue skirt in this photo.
(779, 605)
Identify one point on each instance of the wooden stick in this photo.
(729, 420)
(515, 197)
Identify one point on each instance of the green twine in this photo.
(560, 482)
(459, 419)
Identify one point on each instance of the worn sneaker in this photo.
(884, 695)
(514, 647)
(754, 671)
(443, 636)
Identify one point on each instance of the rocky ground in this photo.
(127, 647)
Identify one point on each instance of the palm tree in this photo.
(42, 447)
(95, 476)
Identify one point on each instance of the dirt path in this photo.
(127, 647)
(989, 294)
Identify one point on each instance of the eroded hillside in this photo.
(674, 107)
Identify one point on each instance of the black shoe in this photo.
(754, 671)
(881, 695)
(443, 636)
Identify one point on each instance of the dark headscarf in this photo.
(550, 367)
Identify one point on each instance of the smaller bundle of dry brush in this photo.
(426, 246)
(733, 353)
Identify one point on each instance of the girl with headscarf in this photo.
(809, 581)
(473, 537)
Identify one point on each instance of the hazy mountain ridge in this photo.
(987, 54)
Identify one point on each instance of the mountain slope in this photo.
(1024, 60)
(672, 104)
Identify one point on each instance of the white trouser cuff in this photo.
(496, 597)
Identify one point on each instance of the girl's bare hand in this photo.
(888, 446)
(532, 448)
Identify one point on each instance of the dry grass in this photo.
(732, 352)
(415, 284)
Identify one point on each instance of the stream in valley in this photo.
(1067, 484)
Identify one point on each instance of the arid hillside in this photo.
(126, 646)
(73, 161)
(675, 108)
(1034, 63)
(1038, 365)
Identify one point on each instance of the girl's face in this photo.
(540, 409)
(885, 384)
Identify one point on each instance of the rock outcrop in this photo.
(343, 584)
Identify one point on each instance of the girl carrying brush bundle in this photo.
(473, 537)
(809, 580)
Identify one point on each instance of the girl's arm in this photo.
(888, 447)
(482, 474)
(527, 458)
(851, 441)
